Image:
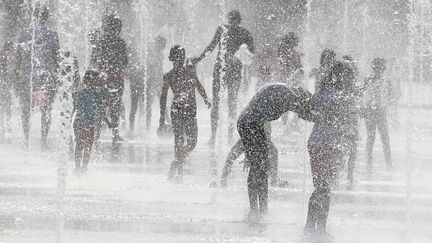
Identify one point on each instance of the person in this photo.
(326, 145)
(228, 38)
(269, 104)
(86, 101)
(8, 77)
(238, 149)
(110, 57)
(183, 81)
(136, 76)
(264, 66)
(353, 94)
(377, 96)
(327, 59)
(38, 63)
(289, 59)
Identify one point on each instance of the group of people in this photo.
(34, 64)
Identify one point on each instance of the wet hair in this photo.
(234, 17)
(91, 78)
(340, 76)
(41, 13)
(326, 55)
(290, 39)
(160, 41)
(112, 24)
(379, 63)
(177, 53)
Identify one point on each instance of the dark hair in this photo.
(91, 77)
(379, 63)
(327, 54)
(177, 53)
(112, 24)
(41, 13)
(340, 76)
(234, 17)
(290, 39)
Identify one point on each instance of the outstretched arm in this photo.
(163, 100)
(215, 41)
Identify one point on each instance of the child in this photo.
(183, 81)
(326, 144)
(86, 102)
(269, 104)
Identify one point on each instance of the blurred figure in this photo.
(8, 78)
(38, 63)
(290, 66)
(86, 102)
(228, 68)
(328, 58)
(183, 81)
(265, 66)
(110, 57)
(326, 145)
(353, 95)
(377, 97)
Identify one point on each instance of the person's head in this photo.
(91, 79)
(328, 58)
(290, 40)
(41, 14)
(234, 17)
(341, 76)
(177, 55)
(160, 42)
(112, 25)
(379, 65)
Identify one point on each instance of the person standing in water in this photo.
(183, 81)
(228, 69)
(377, 96)
(38, 64)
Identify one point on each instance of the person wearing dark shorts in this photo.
(86, 102)
(183, 81)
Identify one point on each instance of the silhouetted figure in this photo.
(265, 66)
(86, 102)
(290, 66)
(183, 81)
(269, 104)
(326, 145)
(38, 62)
(327, 60)
(8, 77)
(110, 57)
(228, 39)
(353, 95)
(377, 96)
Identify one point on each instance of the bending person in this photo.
(269, 104)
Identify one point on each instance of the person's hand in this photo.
(208, 103)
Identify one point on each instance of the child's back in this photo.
(86, 103)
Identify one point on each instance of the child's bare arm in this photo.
(201, 90)
(163, 99)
